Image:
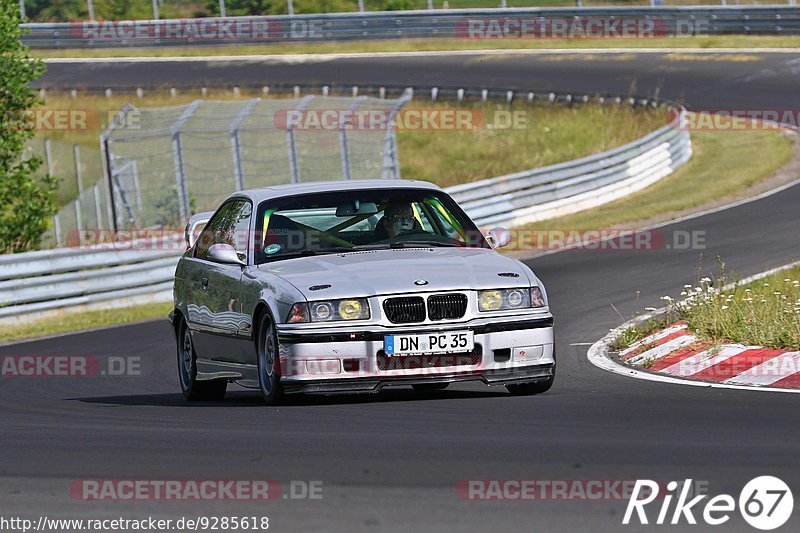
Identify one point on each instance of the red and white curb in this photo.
(674, 355)
(674, 351)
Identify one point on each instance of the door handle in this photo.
(204, 283)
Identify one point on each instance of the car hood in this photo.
(394, 271)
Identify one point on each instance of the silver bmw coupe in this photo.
(353, 286)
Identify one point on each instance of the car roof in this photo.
(292, 189)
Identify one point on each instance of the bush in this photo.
(26, 202)
(69, 10)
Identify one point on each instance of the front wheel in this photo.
(194, 390)
(268, 361)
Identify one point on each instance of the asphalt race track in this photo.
(392, 461)
(701, 80)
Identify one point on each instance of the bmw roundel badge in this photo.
(420, 282)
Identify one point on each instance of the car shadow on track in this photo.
(253, 399)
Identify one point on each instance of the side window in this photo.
(422, 216)
(230, 225)
(240, 218)
(441, 221)
(209, 235)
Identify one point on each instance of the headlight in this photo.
(502, 299)
(329, 311)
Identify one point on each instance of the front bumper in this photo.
(531, 374)
(506, 352)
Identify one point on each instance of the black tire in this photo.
(268, 361)
(525, 389)
(425, 387)
(194, 390)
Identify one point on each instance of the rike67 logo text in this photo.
(765, 503)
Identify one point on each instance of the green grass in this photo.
(765, 312)
(638, 331)
(745, 42)
(762, 313)
(76, 321)
(544, 135)
(724, 164)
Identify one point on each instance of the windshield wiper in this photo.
(290, 255)
(424, 244)
(364, 247)
(324, 251)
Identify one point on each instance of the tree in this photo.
(237, 8)
(26, 201)
(56, 10)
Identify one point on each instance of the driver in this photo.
(398, 219)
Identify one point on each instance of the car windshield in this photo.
(349, 221)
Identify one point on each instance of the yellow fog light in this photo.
(350, 309)
(490, 300)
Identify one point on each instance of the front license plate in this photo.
(429, 343)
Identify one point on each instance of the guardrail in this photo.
(566, 188)
(447, 24)
(38, 284)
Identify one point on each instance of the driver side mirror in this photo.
(498, 237)
(225, 254)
